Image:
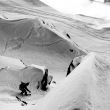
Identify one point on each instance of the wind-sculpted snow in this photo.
(29, 40)
(13, 71)
(10, 79)
(80, 33)
(86, 88)
(38, 35)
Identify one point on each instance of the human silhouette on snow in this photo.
(24, 89)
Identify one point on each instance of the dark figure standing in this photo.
(44, 81)
(70, 68)
(24, 89)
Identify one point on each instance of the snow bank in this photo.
(11, 78)
(86, 88)
(13, 71)
(40, 67)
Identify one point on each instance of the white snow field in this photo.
(95, 8)
(86, 88)
(33, 36)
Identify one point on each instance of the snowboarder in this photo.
(24, 89)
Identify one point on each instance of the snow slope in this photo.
(11, 62)
(86, 88)
(85, 7)
(30, 40)
(39, 35)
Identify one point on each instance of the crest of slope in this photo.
(87, 87)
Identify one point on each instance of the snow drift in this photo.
(86, 88)
(44, 37)
(29, 40)
(12, 72)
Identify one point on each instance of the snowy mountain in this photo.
(35, 36)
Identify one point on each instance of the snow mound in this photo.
(38, 66)
(86, 88)
(13, 71)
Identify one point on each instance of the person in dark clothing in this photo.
(44, 81)
(24, 89)
(70, 68)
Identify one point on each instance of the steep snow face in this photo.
(86, 88)
(29, 40)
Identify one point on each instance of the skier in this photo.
(24, 89)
